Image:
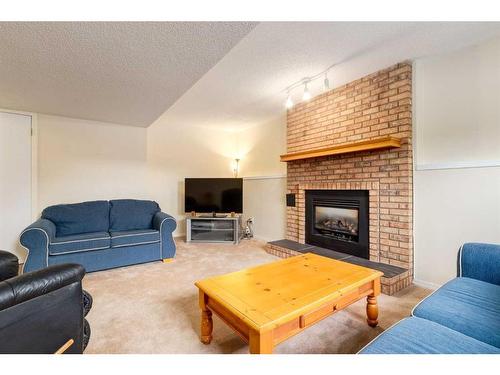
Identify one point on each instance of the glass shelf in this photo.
(201, 229)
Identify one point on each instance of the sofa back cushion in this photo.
(130, 214)
(79, 218)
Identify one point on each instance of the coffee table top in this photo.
(272, 293)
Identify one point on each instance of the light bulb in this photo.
(307, 95)
(289, 102)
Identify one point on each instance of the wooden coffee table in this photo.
(267, 304)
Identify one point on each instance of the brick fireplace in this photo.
(374, 106)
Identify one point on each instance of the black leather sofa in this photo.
(40, 311)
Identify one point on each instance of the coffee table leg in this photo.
(261, 343)
(207, 324)
(372, 310)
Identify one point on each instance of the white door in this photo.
(15, 180)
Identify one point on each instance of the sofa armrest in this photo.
(166, 224)
(35, 284)
(9, 265)
(35, 239)
(163, 221)
(480, 261)
(41, 310)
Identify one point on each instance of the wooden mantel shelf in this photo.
(372, 144)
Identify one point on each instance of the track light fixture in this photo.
(236, 167)
(289, 101)
(326, 82)
(306, 96)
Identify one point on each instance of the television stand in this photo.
(218, 229)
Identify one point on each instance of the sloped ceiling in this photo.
(229, 75)
(120, 72)
(247, 86)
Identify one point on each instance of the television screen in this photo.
(206, 195)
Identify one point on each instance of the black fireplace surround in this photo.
(338, 220)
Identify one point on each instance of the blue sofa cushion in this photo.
(79, 242)
(419, 336)
(78, 218)
(134, 237)
(466, 305)
(130, 214)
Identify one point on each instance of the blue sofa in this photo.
(461, 317)
(99, 235)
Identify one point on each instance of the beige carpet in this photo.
(153, 308)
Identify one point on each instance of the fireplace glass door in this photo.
(338, 220)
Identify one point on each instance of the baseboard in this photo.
(426, 284)
(259, 238)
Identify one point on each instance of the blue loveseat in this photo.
(461, 317)
(99, 235)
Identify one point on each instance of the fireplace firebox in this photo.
(338, 220)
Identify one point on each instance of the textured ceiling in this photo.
(125, 73)
(247, 87)
(230, 75)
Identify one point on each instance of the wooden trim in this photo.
(458, 165)
(65, 347)
(372, 144)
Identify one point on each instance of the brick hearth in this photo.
(394, 279)
(374, 106)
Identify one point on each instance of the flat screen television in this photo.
(220, 195)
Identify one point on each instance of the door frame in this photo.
(34, 158)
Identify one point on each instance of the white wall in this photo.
(177, 150)
(264, 201)
(458, 106)
(260, 148)
(265, 177)
(457, 125)
(452, 207)
(81, 160)
(15, 179)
